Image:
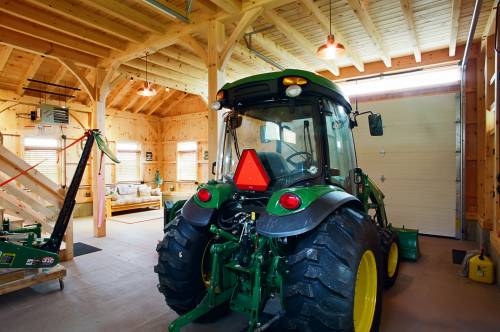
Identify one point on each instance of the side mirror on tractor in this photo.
(375, 123)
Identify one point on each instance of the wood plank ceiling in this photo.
(38, 36)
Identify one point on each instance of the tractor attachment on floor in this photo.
(25, 247)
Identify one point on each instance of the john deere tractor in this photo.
(289, 215)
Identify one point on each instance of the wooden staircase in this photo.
(32, 197)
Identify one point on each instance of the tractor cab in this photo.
(297, 123)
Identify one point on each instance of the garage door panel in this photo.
(409, 165)
(414, 163)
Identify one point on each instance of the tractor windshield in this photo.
(283, 137)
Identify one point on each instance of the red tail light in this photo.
(290, 201)
(204, 195)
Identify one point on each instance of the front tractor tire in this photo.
(180, 254)
(390, 255)
(335, 277)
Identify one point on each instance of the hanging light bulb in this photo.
(331, 49)
(147, 90)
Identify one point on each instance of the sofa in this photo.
(124, 196)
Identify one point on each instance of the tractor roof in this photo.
(247, 87)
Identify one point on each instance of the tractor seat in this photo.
(274, 164)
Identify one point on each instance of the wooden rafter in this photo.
(366, 21)
(286, 58)
(194, 45)
(407, 8)
(61, 24)
(162, 71)
(29, 73)
(143, 101)
(180, 55)
(119, 92)
(83, 96)
(178, 66)
(59, 75)
(230, 6)
(456, 5)
(152, 44)
(50, 35)
(325, 24)
(295, 36)
(4, 56)
(42, 47)
(121, 10)
(244, 23)
(86, 85)
(174, 104)
(160, 101)
(90, 18)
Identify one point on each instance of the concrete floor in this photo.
(115, 290)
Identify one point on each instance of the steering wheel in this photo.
(308, 159)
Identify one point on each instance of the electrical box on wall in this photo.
(52, 114)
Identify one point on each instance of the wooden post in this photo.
(98, 170)
(216, 38)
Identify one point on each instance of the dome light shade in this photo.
(331, 49)
(147, 90)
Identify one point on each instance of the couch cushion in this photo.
(144, 190)
(126, 189)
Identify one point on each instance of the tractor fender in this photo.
(195, 214)
(301, 222)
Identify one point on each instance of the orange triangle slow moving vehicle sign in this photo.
(250, 174)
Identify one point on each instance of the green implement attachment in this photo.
(408, 241)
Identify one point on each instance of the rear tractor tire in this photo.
(390, 255)
(180, 256)
(335, 277)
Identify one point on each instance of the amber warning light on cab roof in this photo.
(250, 173)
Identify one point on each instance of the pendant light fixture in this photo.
(331, 49)
(147, 90)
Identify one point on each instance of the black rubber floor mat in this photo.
(80, 249)
(458, 255)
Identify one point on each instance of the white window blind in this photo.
(37, 149)
(129, 168)
(187, 161)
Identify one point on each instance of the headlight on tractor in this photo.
(293, 91)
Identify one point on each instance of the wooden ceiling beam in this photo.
(292, 34)
(489, 27)
(196, 47)
(244, 23)
(429, 59)
(173, 104)
(162, 71)
(286, 58)
(179, 55)
(41, 47)
(29, 73)
(325, 24)
(154, 43)
(8, 95)
(177, 66)
(407, 8)
(119, 92)
(119, 9)
(5, 52)
(194, 87)
(50, 35)
(258, 65)
(160, 101)
(60, 24)
(148, 100)
(131, 101)
(364, 18)
(59, 75)
(229, 6)
(86, 85)
(90, 18)
(456, 5)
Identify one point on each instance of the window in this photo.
(37, 149)
(129, 168)
(404, 81)
(187, 161)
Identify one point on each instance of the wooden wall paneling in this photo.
(471, 207)
(481, 141)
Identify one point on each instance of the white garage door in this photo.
(414, 162)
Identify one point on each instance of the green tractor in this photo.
(289, 215)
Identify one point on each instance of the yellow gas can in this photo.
(481, 269)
